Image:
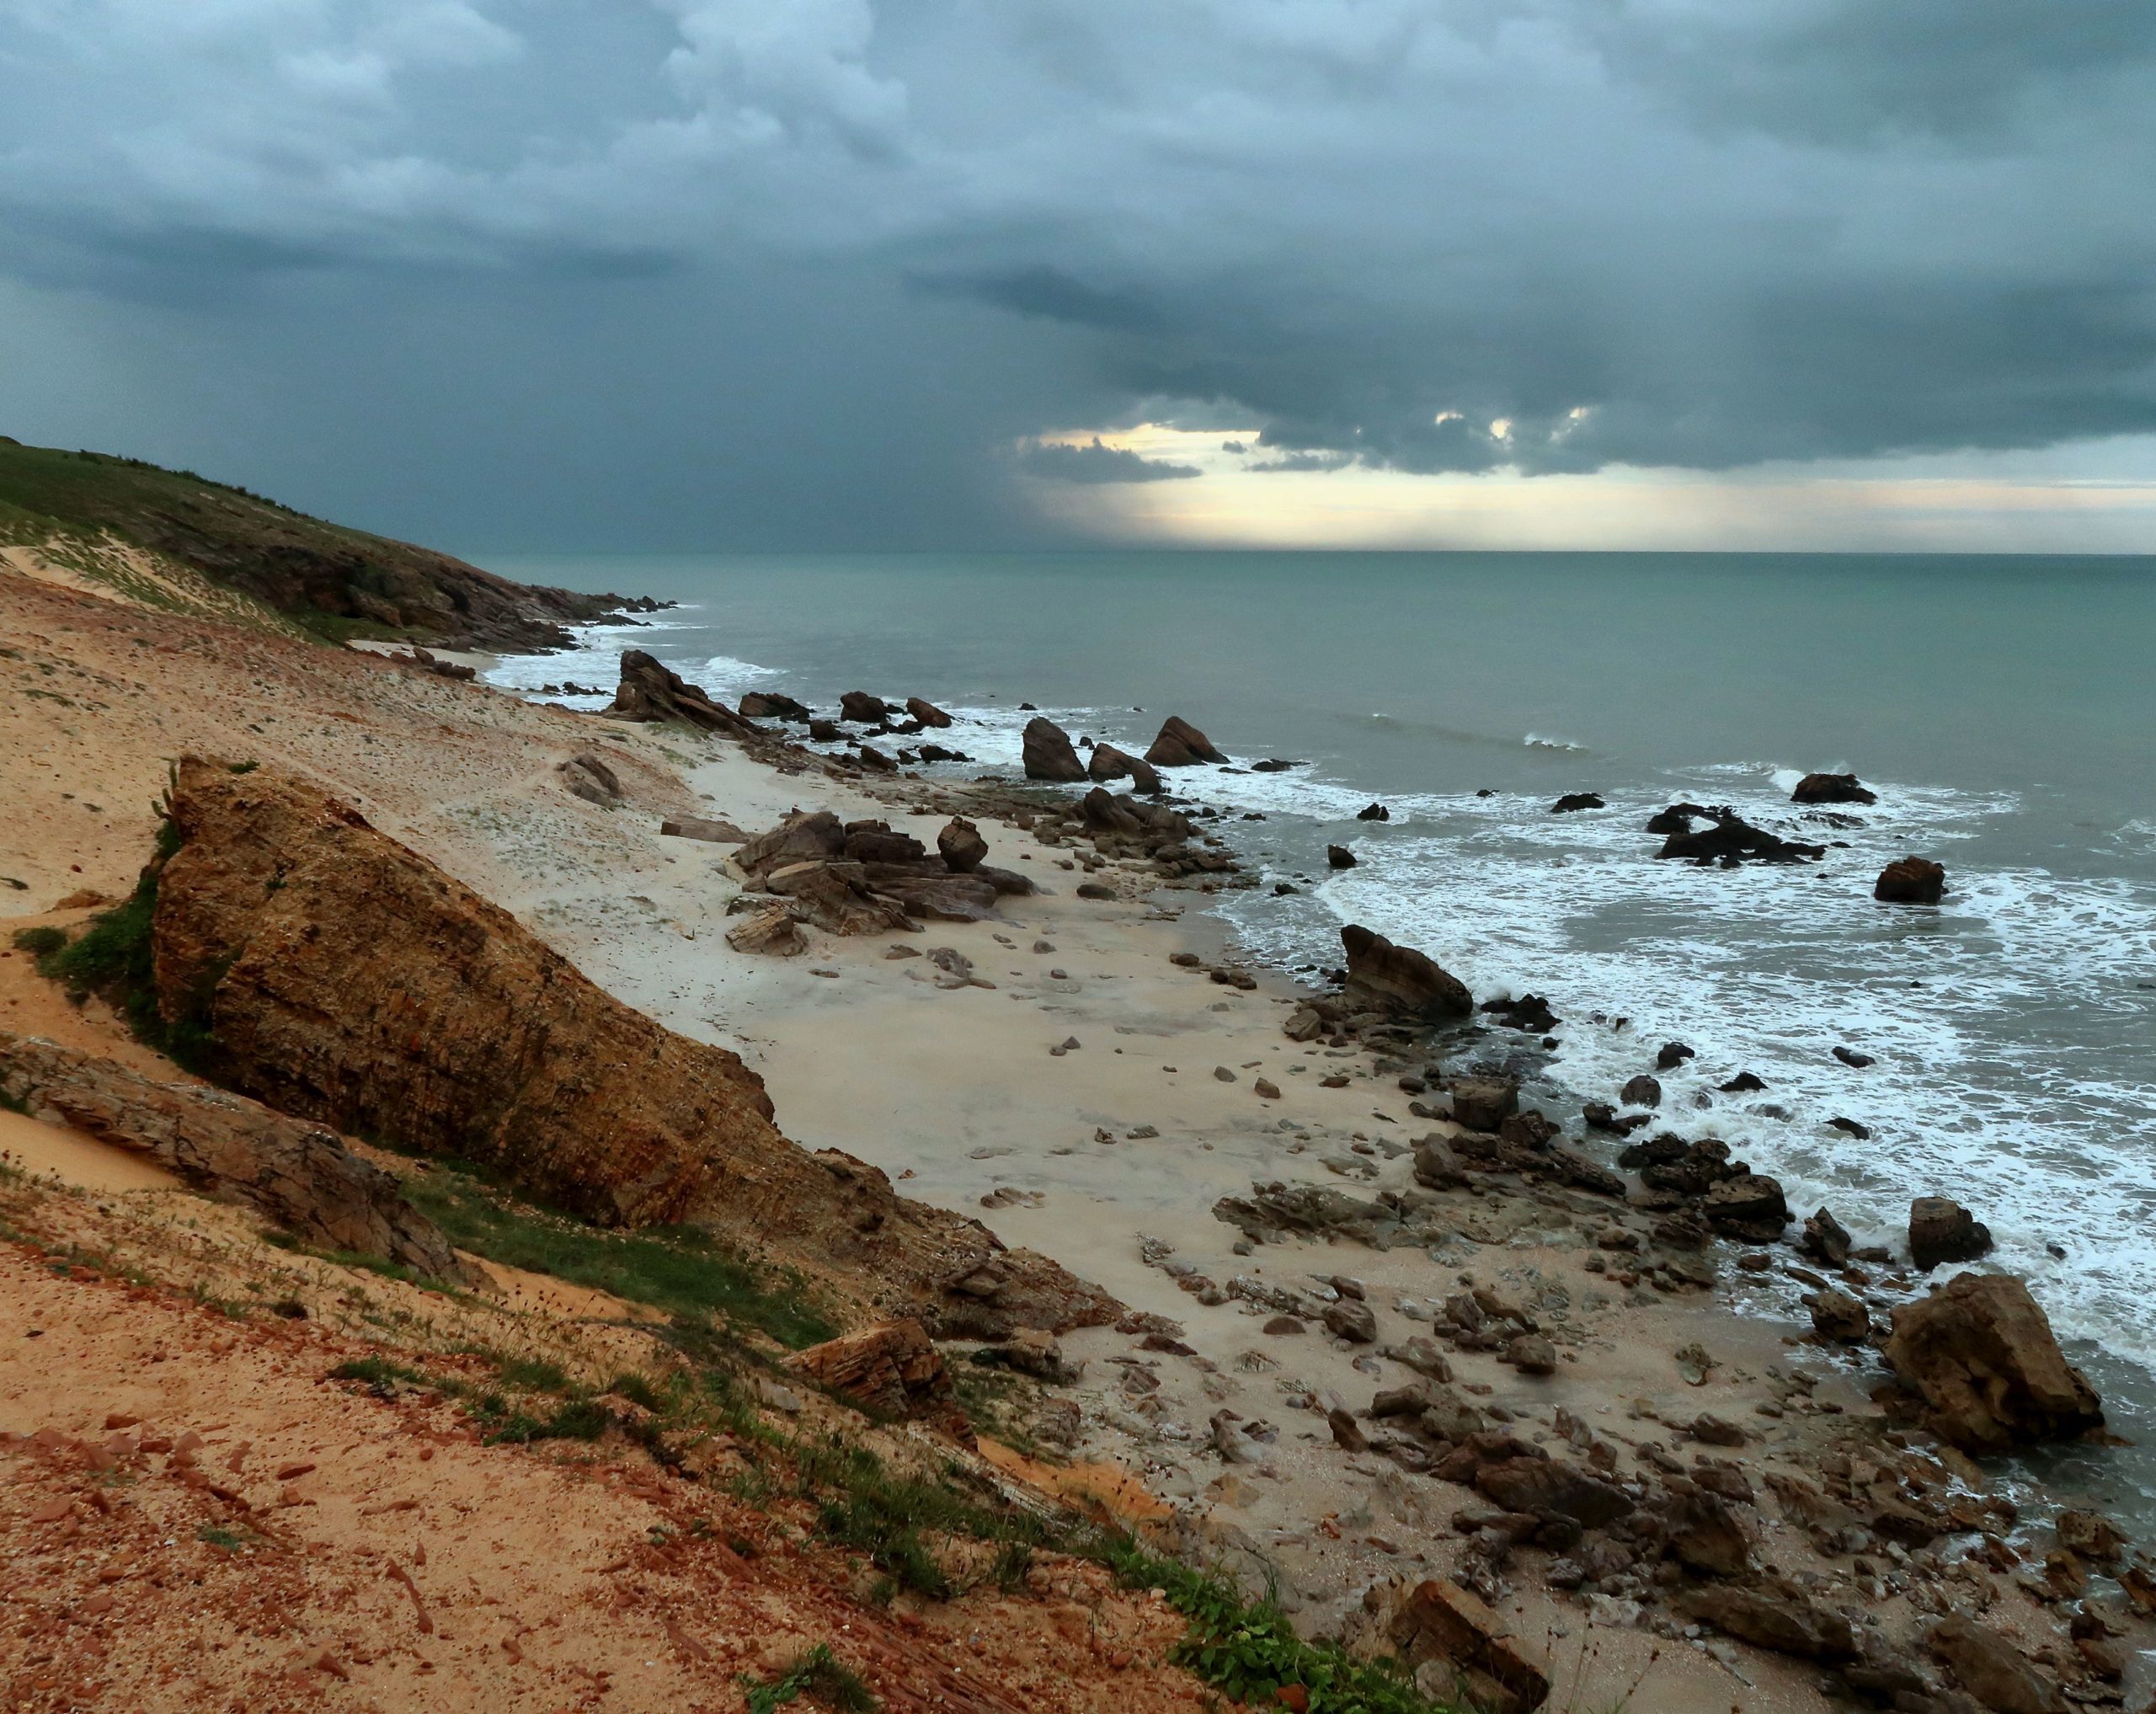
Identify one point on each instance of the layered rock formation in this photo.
(297, 1175)
(342, 978)
(650, 691)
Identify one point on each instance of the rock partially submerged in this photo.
(1107, 763)
(1982, 1355)
(1910, 880)
(1942, 1230)
(1832, 788)
(1728, 840)
(1398, 979)
(1180, 745)
(339, 977)
(649, 691)
(300, 1176)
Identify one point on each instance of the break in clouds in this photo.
(875, 246)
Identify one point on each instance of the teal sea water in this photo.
(2004, 709)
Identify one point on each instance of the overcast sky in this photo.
(521, 274)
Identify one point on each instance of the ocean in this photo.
(2003, 708)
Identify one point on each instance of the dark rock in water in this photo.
(649, 691)
(1751, 1203)
(1743, 1083)
(1678, 818)
(1284, 889)
(1484, 1104)
(770, 705)
(963, 850)
(1374, 812)
(937, 752)
(1851, 1057)
(1047, 752)
(1180, 745)
(1832, 789)
(1910, 881)
(1983, 1357)
(1273, 764)
(872, 758)
(926, 713)
(1825, 1240)
(1941, 1229)
(1730, 841)
(1107, 763)
(1642, 1090)
(1340, 857)
(1529, 1012)
(1850, 1127)
(1398, 979)
(1577, 800)
(1673, 1055)
(860, 706)
(824, 731)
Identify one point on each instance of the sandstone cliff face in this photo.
(345, 978)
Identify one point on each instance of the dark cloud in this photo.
(862, 249)
(1059, 461)
(1305, 461)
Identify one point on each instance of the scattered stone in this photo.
(1531, 1354)
(1352, 1320)
(1267, 1090)
(1339, 856)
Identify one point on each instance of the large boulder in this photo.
(1832, 789)
(1047, 753)
(335, 975)
(1942, 1230)
(1484, 1104)
(926, 713)
(869, 841)
(1910, 880)
(297, 1175)
(1780, 1617)
(961, 846)
(835, 897)
(1991, 1669)
(1398, 979)
(1982, 1355)
(1108, 763)
(649, 691)
(1180, 745)
(1438, 1624)
(863, 709)
(800, 838)
(770, 705)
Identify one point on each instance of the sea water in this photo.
(2003, 708)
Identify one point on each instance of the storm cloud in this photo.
(766, 274)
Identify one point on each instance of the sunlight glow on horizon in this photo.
(1969, 503)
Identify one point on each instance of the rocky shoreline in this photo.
(1505, 1394)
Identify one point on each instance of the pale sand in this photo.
(74, 1157)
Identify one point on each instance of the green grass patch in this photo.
(817, 1675)
(682, 1270)
(40, 942)
(1248, 1652)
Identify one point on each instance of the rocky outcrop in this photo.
(1832, 789)
(1728, 840)
(771, 932)
(1780, 1617)
(1910, 880)
(1573, 801)
(1180, 745)
(1443, 1632)
(1048, 754)
(588, 777)
(1942, 1230)
(297, 1175)
(1398, 979)
(863, 709)
(770, 705)
(342, 978)
(926, 712)
(1107, 763)
(890, 1368)
(650, 691)
(710, 830)
(1982, 1355)
(835, 896)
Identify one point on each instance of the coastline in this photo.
(956, 1092)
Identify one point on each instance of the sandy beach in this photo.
(1085, 1097)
